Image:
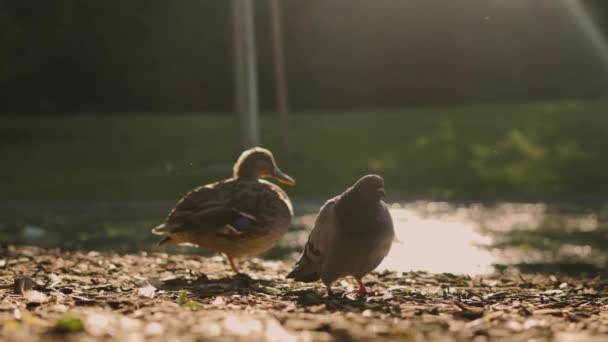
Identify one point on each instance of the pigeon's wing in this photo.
(381, 242)
(358, 252)
(386, 228)
(307, 268)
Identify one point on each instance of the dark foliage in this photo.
(70, 55)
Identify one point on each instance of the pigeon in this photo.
(240, 216)
(352, 234)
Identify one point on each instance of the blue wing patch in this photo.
(242, 222)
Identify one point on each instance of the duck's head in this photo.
(259, 162)
(370, 187)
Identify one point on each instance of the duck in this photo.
(353, 232)
(240, 216)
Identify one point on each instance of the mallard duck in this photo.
(352, 234)
(240, 216)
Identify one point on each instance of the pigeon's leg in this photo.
(362, 290)
(232, 264)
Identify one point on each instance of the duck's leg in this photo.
(329, 293)
(362, 290)
(232, 264)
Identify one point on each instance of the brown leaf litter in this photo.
(53, 295)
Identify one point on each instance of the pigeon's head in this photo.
(371, 187)
(259, 162)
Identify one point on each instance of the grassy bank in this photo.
(485, 151)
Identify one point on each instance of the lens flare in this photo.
(589, 28)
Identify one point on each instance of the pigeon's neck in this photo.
(356, 212)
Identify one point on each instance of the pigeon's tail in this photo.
(306, 270)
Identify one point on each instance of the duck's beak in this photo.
(282, 177)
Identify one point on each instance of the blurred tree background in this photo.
(111, 110)
(383, 59)
(115, 56)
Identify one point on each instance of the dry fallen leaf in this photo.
(35, 297)
(552, 312)
(147, 291)
(153, 329)
(469, 312)
(112, 303)
(218, 301)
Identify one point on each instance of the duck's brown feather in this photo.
(206, 216)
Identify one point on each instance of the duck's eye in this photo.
(265, 166)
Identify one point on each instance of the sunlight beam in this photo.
(589, 28)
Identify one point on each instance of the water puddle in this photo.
(469, 238)
(445, 243)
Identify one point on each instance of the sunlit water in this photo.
(466, 238)
(476, 238)
(436, 244)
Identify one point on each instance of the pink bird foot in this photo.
(362, 290)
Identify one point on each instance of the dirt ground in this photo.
(48, 295)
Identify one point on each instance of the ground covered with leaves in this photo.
(90, 296)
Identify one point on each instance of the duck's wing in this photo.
(308, 267)
(202, 210)
(212, 217)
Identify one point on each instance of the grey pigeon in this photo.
(353, 232)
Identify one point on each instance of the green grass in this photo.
(534, 150)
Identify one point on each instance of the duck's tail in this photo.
(161, 230)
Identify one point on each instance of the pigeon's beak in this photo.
(282, 177)
(381, 193)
